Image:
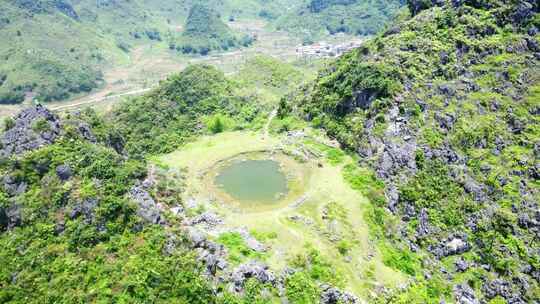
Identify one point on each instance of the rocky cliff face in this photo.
(453, 133)
(31, 129)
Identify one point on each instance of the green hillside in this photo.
(205, 31)
(318, 18)
(44, 59)
(443, 108)
(410, 164)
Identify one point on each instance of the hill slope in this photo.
(444, 107)
(317, 18)
(41, 56)
(205, 31)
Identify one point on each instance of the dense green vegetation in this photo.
(321, 17)
(164, 119)
(205, 32)
(80, 239)
(443, 107)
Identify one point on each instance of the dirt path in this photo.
(95, 100)
(267, 125)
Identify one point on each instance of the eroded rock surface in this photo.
(32, 128)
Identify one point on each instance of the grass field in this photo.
(325, 192)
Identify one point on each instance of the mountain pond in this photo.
(260, 181)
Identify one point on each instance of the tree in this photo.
(216, 125)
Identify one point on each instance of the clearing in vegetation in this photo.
(325, 216)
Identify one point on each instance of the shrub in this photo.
(301, 289)
(11, 97)
(8, 123)
(215, 125)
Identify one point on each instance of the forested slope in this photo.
(85, 218)
(317, 18)
(443, 107)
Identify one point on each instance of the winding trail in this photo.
(267, 125)
(99, 99)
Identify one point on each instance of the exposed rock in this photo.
(447, 90)
(361, 99)
(196, 237)
(249, 270)
(212, 254)
(214, 257)
(12, 186)
(251, 242)
(523, 12)
(392, 194)
(85, 208)
(4, 220)
(423, 223)
(177, 210)
(208, 219)
(171, 244)
(464, 294)
(34, 128)
(497, 287)
(446, 121)
(66, 8)
(477, 191)
(456, 246)
(86, 132)
(10, 217)
(64, 172)
(147, 207)
(395, 158)
(461, 265)
(533, 30)
(417, 6)
(451, 246)
(332, 295)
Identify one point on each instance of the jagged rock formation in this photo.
(31, 129)
(147, 208)
(332, 295)
(251, 269)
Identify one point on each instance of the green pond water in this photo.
(253, 181)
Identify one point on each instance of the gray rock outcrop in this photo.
(147, 208)
(10, 217)
(33, 128)
(213, 255)
(252, 269)
(464, 294)
(332, 295)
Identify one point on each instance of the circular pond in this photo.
(253, 181)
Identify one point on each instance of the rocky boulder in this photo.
(13, 186)
(396, 157)
(147, 208)
(207, 219)
(464, 294)
(499, 287)
(64, 172)
(86, 209)
(211, 254)
(251, 242)
(453, 245)
(10, 217)
(252, 269)
(332, 295)
(4, 220)
(33, 128)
